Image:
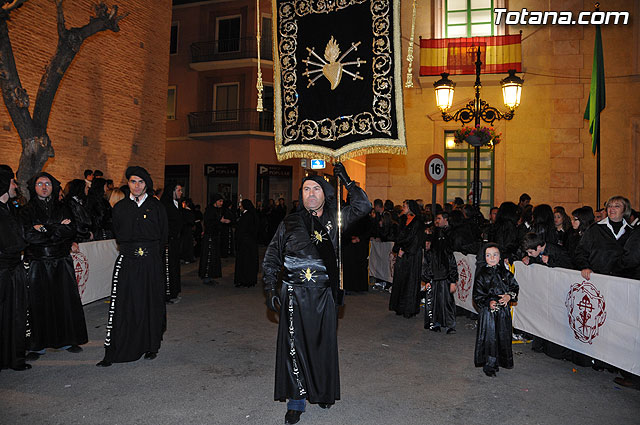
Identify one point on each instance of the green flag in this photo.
(597, 97)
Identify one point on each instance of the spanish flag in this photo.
(457, 56)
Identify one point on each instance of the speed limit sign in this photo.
(435, 168)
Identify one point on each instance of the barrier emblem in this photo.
(586, 310)
(465, 280)
(81, 267)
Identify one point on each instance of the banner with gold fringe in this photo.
(337, 77)
(457, 56)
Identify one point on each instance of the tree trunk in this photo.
(36, 144)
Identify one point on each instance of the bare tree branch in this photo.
(69, 42)
(9, 5)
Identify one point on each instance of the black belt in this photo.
(52, 251)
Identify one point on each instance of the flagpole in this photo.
(598, 174)
(597, 7)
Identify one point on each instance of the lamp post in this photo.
(478, 110)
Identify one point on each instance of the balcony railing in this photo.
(230, 120)
(235, 48)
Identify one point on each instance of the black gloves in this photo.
(273, 301)
(340, 172)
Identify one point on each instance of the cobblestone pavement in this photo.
(216, 366)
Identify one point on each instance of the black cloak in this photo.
(493, 337)
(13, 282)
(56, 314)
(137, 312)
(302, 255)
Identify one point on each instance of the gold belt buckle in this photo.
(140, 252)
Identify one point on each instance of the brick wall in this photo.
(110, 108)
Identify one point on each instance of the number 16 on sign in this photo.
(435, 168)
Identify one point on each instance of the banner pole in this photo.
(340, 231)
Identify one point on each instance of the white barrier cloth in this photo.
(380, 260)
(466, 277)
(599, 317)
(94, 267)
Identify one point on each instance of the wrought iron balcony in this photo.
(235, 48)
(232, 120)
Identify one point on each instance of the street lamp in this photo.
(477, 110)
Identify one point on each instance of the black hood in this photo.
(413, 207)
(167, 194)
(142, 173)
(55, 185)
(6, 174)
(329, 193)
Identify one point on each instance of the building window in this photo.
(266, 41)
(171, 103)
(173, 43)
(228, 34)
(468, 18)
(225, 101)
(460, 173)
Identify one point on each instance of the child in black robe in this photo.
(494, 288)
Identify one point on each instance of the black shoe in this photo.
(292, 416)
(325, 405)
(451, 331)
(32, 355)
(491, 373)
(150, 355)
(74, 349)
(103, 363)
(436, 329)
(23, 366)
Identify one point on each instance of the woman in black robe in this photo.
(56, 314)
(171, 199)
(13, 280)
(407, 269)
(494, 288)
(505, 232)
(99, 210)
(210, 265)
(246, 268)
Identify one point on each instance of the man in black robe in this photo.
(210, 265)
(171, 258)
(137, 314)
(13, 279)
(55, 309)
(303, 249)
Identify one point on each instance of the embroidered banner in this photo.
(337, 76)
(457, 56)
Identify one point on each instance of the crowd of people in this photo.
(157, 231)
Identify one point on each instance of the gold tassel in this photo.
(259, 85)
(409, 83)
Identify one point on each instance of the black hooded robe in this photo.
(355, 256)
(407, 269)
(173, 250)
(137, 314)
(246, 267)
(307, 344)
(493, 337)
(13, 287)
(210, 265)
(56, 315)
(440, 269)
